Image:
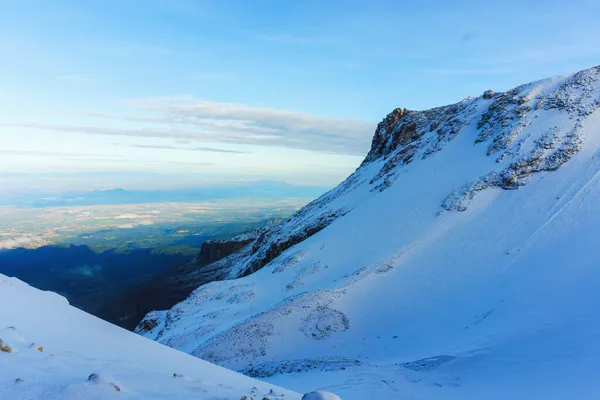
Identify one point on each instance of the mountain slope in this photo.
(426, 273)
(51, 350)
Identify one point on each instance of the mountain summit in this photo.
(458, 261)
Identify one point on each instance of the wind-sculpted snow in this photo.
(460, 255)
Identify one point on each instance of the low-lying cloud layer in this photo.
(16, 242)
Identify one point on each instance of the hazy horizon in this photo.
(62, 183)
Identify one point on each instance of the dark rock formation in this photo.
(488, 94)
(214, 250)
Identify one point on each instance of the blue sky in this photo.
(189, 92)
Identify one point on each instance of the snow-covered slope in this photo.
(50, 350)
(426, 274)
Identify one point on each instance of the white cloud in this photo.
(237, 123)
(50, 153)
(183, 118)
(170, 147)
(125, 226)
(16, 242)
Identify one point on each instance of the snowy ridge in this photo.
(381, 288)
(50, 350)
(503, 125)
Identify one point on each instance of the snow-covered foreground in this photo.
(461, 261)
(51, 350)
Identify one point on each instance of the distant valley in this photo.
(170, 226)
(111, 259)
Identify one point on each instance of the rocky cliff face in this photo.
(214, 250)
(430, 225)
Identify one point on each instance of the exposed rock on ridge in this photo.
(404, 135)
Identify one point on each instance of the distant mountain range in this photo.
(256, 189)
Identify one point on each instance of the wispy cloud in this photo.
(146, 162)
(43, 153)
(168, 147)
(217, 150)
(183, 118)
(268, 126)
(107, 158)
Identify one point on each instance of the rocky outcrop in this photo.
(379, 144)
(214, 250)
(404, 135)
(488, 94)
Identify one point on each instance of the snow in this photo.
(320, 395)
(424, 279)
(59, 352)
